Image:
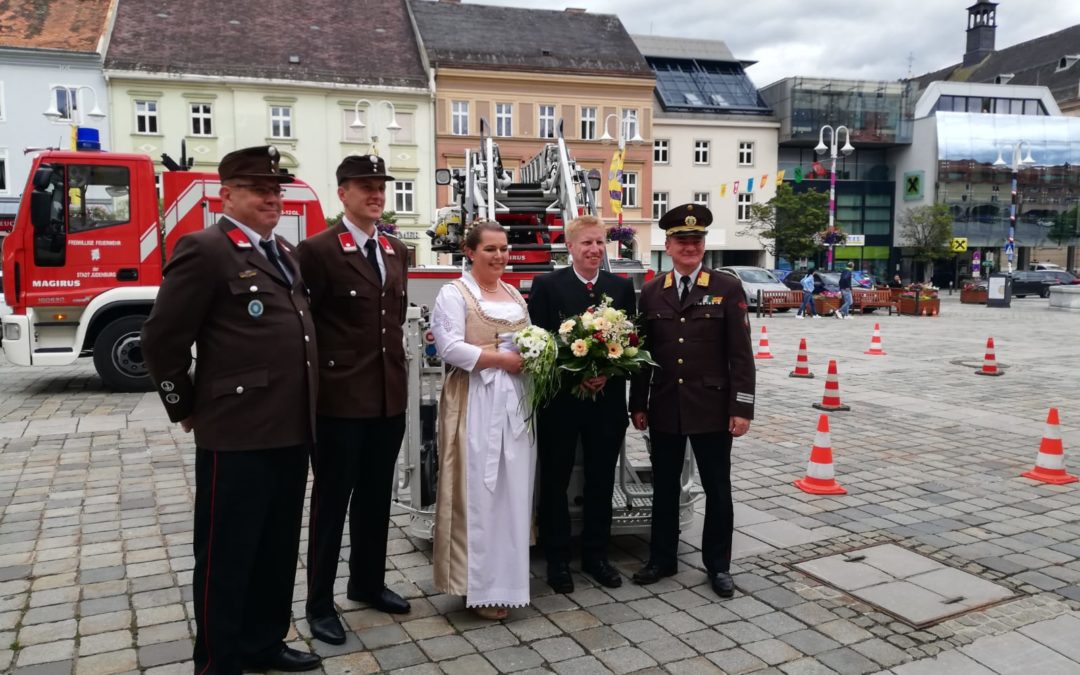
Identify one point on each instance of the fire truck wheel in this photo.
(118, 355)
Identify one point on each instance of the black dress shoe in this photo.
(287, 660)
(384, 600)
(603, 572)
(652, 573)
(327, 628)
(558, 577)
(723, 584)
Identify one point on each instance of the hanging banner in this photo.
(780, 176)
(615, 182)
(750, 185)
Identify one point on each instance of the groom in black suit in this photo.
(600, 424)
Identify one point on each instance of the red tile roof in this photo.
(70, 25)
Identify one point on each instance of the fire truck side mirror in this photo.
(442, 176)
(41, 210)
(42, 177)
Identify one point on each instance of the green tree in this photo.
(786, 224)
(927, 231)
(1066, 227)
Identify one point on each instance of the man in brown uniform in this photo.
(357, 278)
(694, 323)
(235, 292)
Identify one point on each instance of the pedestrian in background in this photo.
(357, 278)
(807, 283)
(234, 291)
(845, 292)
(694, 322)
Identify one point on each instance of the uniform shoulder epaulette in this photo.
(238, 238)
(384, 242)
(703, 279)
(348, 244)
(669, 279)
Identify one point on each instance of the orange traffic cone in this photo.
(875, 343)
(763, 346)
(1050, 462)
(802, 363)
(989, 366)
(831, 400)
(820, 477)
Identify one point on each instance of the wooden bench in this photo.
(863, 299)
(770, 300)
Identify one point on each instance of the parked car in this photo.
(1062, 276)
(754, 279)
(1044, 266)
(863, 280)
(1033, 283)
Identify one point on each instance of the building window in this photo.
(702, 199)
(588, 124)
(280, 121)
(701, 152)
(146, 117)
(459, 118)
(407, 133)
(629, 190)
(547, 121)
(659, 205)
(504, 119)
(746, 153)
(201, 120)
(351, 134)
(660, 150)
(67, 102)
(3, 172)
(742, 213)
(630, 122)
(404, 196)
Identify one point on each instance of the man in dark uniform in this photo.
(235, 292)
(357, 278)
(599, 422)
(695, 325)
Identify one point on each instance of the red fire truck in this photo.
(83, 264)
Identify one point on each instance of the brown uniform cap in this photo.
(687, 220)
(258, 162)
(362, 166)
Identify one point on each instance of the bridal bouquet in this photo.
(538, 351)
(600, 341)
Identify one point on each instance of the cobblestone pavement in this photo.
(95, 537)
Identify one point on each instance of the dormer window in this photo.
(1067, 62)
(1004, 78)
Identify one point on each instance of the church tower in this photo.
(982, 25)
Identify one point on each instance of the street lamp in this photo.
(1000, 163)
(624, 126)
(357, 123)
(820, 148)
(71, 102)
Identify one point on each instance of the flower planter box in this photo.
(826, 306)
(895, 293)
(908, 306)
(976, 296)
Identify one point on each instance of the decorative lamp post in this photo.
(393, 127)
(830, 235)
(1000, 163)
(71, 103)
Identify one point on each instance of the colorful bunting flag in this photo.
(761, 186)
(735, 188)
(798, 174)
(723, 190)
(749, 184)
(780, 176)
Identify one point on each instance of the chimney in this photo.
(982, 25)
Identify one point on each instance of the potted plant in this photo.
(919, 300)
(974, 293)
(625, 237)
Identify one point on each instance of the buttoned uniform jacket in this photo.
(703, 349)
(559, 295)
(255, 381)
(359, 323)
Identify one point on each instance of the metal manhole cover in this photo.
(915, 589)
(975, 363)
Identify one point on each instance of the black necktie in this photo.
(369, 246)
(272, 255)
(685, 283)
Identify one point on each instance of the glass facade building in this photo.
(876, 112)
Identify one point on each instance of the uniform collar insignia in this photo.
(238, 238)
(247, 274)
(385, 243)
(668, 280)
(703, 279)
(348, 244)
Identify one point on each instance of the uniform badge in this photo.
(255, 308)
(348, 244)
(167, 385)
(238, 238)
(172, 398)
(247, 274)
(668, 280)
(703, 279)
(386, 247)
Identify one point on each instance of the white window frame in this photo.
(404, 190)
(660, 203)
(661, 147)
(547, 121)
(149, 114)
(702, 152)
(504, 119)
(587, 126)
(282, 117)
(746, 153)
(743, 202)
(54, 90)
(630, 189)
(630, 120)
(5, 175)
(459, 118)
(204, 117)
(701, 198)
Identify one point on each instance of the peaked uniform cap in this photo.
(258, 162)
(687, 220)
(362, 166)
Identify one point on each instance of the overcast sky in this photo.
(860, 39)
